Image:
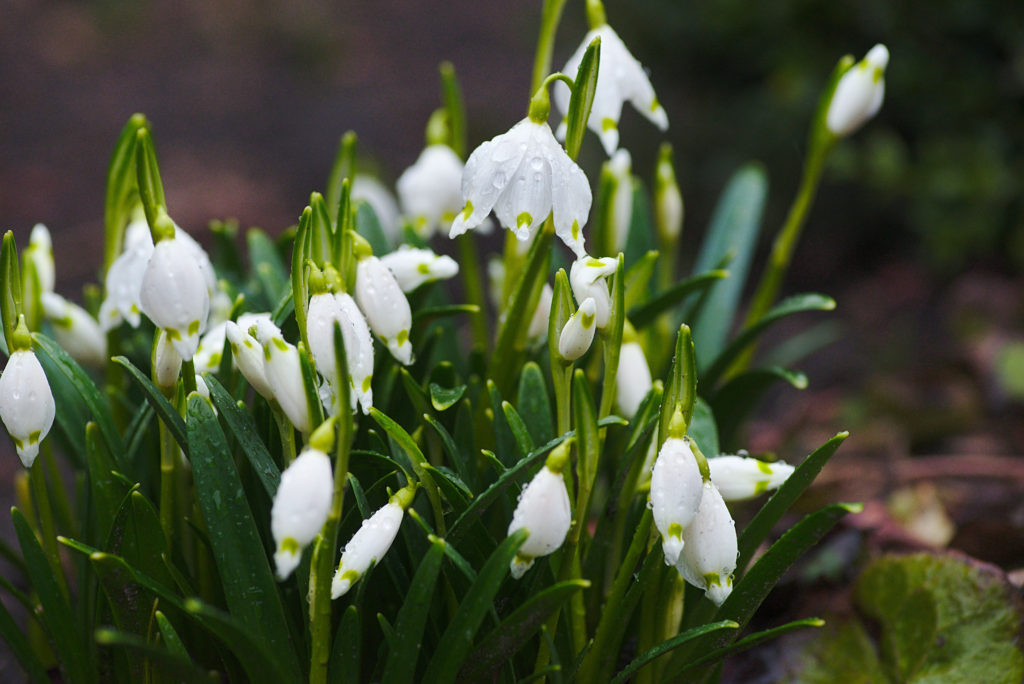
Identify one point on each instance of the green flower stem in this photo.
(561, 379)
(47, 530)
(551, 15)
(188, 376)
(287, 432)
(650, 612)
(114, 376)
(168, 482)
(62, 507)
(472, 279)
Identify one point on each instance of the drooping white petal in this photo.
(526, 202)
(211, 349)
(26, 404)
(488, 172)
(412, 267)
(739, 478)
(370, 190)
(571, 203)
(708, 560)
(301, 506)
(246, 351)
(384, 304)
(174, 293)
(587, 279)
(166, 362)
(40, 253)
(578, 333)
(284, 375)
(368, 545)
(544, 511)
(431, 189)
(632, 379)
(676, 492)
(124, 278)
(76, 331)
(858, 95)
(325, 311)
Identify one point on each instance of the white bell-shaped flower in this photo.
(676, 492)
(578, 333)
(174, 293)
(739, 478)
(632, 378)
(708, 559)
(370, 542)
(384, 304)
(620, 167)
(587, 278)
(431, 189)
(40, 253)
(166, 362)
(524, 175)
(76, 331)
(124, 278)
(412, 267)
(26, 403)
(284, 375)
(858, 95)
(246, 351)
(326, 310)
(301, 505)
(620, 78)
(370, 190)
(544, 511)
(211, 349)
(541, 315)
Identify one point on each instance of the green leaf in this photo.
(172, 664)
(344, 167)
(611, 338)
(515, 631)
(368, 225)
(19, 645)
(442, 398)
(681, 384)
(458, 637)
(753, 640)
(455, 455)
(416, 458)
(122, 189)
(583, 90)
(734, 228)
(747, 336)
(668, 645)
(644, 314)
(249, 587)
(588, 443)
(741, 394)
(10, 281)
(107, 490)
(267, 264)
(533, 404)
(344, 666)
(703, 428)
(412, 618)
(518, 428)
(147, 172)
(163, 409)
(169, 634)
(300, 290)
(451, 93)
(638, 278)
(842, 647)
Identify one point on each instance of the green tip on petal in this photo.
(322, 438)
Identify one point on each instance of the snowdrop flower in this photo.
(370, 190)
(384, 304)
(586, 276)
(284, 375)
(76, 331)
(413, 267)
(620, 168)
(578, 333)
(431, 189)
(620, 78)
(859, 93)
(246, 351)
(124, 278)
(632, 379)
(708, 559)
(174, 292)
(301, 505)
(325, 311)
(676, 493)
(373, 539)
(524, 175)
(211, 349)
(166, 363)
(541, 315)
(26, 402)
(543, 510)
(668, 200)
(40, 254)
(739, 478)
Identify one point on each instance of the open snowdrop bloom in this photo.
(371, 541)
(76, 331)
(124, 278)
(632, 378)
(620, 78)
(578, 333)
(430, 190)
(211, 349)
(301, 505)
(26, 402)
(284, 376)
(739, 478)
(40, 254)
(859, 93)
(384, 304)
(412, 267)
(246, 351)
(325, 311)
(708, 559)
(676, 492)
(587, 278)
(544, 511)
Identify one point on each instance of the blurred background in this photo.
(918, 230)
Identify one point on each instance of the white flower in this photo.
(26, 403)
(620, 168)
(431, 189)
(124, 278)
(384, 304)
(544, 511)
(632, 379)
(709, 555)
(413, 267)
(370, 542)
(620, 78)
(587, 278)
(859, 93)
(326, 309)
(40, 253)
(541, 315)
(300, 509)
(668, 200)
(370, 190)
(676, 492)
(211, 349)
(739, 478)
(578, 333)
(284, 375)
(76, 331)
(174, 293)
(524, 175)
(246, 351)
(166, 362)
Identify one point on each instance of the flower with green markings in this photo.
(412, 267)
(166, 363)
(382, 301)
(371, 541)
(301, 506)
(587, 277)
(40, 254)
(708, 558)
(676, 492)
(124, 278)
(211, 349)
(430, 190)
(578, 332)
(858, 95)
(246, 351)
(27, 407)
(544, 511)
(284, 376)
(739, 478)
(76, 331)
(325, 311)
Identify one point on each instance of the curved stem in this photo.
(551, 15)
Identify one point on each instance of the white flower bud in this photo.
(632, 379)
(739, 478)
(578, 333)
(541, 315)
(174, 293)
(284, 375)
(26, 403)
(325, 310)
(708, 560)
(668, 200)
(76, 331)
(384, 304)
(301, 505)
(40, 253)
(544, 511)
(859, 93)
(413, 267)
(368, 545)
(211, 349)
(587, 278)
(246, 351)
(166, 362)
(370, 190)
(676, 492)
(124, 278)
(620, 166)
(431, 189)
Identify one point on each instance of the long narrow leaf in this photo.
(667, 646)
(163, 409)
(741, 394)
(242, 427)
(644, 314)
(15, 639)
(583, 90)
(412, 618)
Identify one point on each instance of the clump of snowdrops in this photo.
(327, 464)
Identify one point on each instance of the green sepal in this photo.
(300, 286)
(151, 187)
(122, 193)
(583, 90)
(680, 386)
(451, 94)
(344, 167)
(10, 280)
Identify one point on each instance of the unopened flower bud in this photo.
(587, 278)
(544, 511)
(708, 560)
(369, 544)
(739, 478)
(384, 304)
(632, 379)
(413, 267)
(40, 254)
(859, 93)
(26, 403)
(539, 321)
(325, 311)
(431, 189)
(578, 333)
(676, 493)
(301, 505)
(174, 294)
(166, 363)
(668, 200)
(76, 331)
